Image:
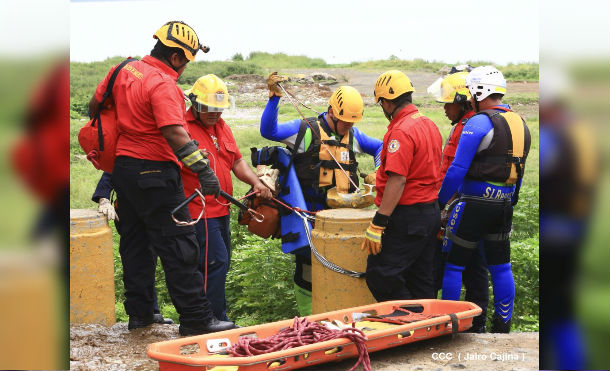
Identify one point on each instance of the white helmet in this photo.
(484, 81)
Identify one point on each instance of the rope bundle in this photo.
(301, 333)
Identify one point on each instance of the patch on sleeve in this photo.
(393, 146)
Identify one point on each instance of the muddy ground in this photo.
(95, 347)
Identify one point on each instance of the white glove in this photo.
(107, 209)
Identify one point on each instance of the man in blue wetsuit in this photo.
(317, 172)
(486, 173)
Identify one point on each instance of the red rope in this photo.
(281, 203)
(301, 333)
(293, 208)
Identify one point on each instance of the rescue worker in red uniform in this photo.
(152, 146)
(455, 96)
(402, 235)
(209, 97)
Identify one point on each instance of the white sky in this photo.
(335, 30)
(338, 31)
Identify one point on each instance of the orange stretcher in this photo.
(208, 352)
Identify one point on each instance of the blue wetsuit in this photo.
(286, 133)
(484, 212)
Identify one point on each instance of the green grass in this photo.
(512, 72)
(86, 76)
(281, 60)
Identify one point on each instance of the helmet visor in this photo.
(216, 102)
(435, 90)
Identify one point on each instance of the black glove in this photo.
(190, 155)
(209, 182)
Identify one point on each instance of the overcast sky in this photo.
(337, 31)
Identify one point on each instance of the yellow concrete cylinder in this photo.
(338, 236)
(91, 268)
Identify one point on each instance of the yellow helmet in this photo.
(209, 91)
(347, 104)
(392, 84)
(177, 34)
(453, 89)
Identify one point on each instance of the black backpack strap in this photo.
(115, 73)
(107, 93)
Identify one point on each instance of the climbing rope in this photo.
(325, 262)
(302, 333)
(300, 102)
(309, 216)
(182, 223)
(318, 136)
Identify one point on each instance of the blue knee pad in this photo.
(504, 290)
(452, 282)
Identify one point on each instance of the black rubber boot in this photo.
(139, 322)
(478, 325)
(213, 326)
(499, 326)
(477, 329)
(158, 318)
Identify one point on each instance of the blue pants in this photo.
(475, 279)
(473, 220)
(219, 259)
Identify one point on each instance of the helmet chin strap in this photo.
(390, 116)
(197, 116)
(476, 102)
(461, 114)
(176, 68)
(334, 121)
(385, 113)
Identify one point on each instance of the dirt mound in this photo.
(96, 347)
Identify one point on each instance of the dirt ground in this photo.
(95, 347)
(253, 88)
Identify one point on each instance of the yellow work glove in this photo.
(272, 81)
(372, 236)
(370, 179)
(372, 239)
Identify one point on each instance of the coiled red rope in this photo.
(301, 333)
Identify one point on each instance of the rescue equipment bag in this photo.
(270, 226)
(97, 141)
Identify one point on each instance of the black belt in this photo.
(428, 206)
(133, 160)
